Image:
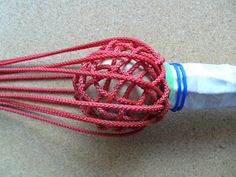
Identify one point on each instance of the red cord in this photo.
(109, 109)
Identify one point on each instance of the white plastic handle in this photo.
(209, 86)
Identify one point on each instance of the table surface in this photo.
(187, 143)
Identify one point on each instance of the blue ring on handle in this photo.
(175, 108)
(184, 95)
(180, 104)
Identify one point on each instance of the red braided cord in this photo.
(36, 89)
(36, 77)
(109, 109)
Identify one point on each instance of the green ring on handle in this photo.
(169, 79)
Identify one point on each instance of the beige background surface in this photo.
(189, 143)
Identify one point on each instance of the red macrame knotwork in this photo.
(112, 73)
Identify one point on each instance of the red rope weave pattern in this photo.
(102, 87)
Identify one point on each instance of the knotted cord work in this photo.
(120, 86)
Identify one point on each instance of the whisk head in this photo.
(120, 86)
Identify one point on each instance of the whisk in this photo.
(121, 87)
